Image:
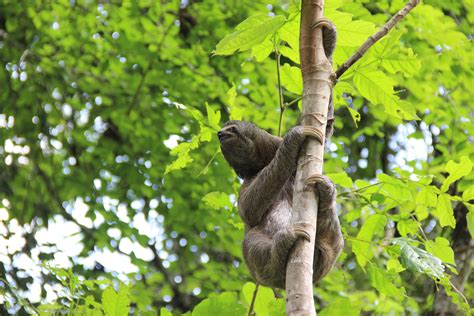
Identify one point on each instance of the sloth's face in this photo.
(247, 148)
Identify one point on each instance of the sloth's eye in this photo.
(232, 129)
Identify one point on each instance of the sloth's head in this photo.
(247, 148)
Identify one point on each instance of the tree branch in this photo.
(377, 36)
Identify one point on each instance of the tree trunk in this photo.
(316, 70)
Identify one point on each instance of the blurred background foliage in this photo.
(111, 173)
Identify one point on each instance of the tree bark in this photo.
(317, 85)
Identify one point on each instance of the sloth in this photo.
(267, 164)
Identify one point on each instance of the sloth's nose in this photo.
(220, 134)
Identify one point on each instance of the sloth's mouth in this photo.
(227, 132)
(222, 135)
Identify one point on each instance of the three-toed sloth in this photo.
(267, 164)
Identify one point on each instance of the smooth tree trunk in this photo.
(317, 85)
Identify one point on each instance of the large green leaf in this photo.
(341, 306)
(392, 58)
(444, 211)
(456, 171)
(249, 33)
(441, 249)
(378, 89)
(291, 79)
(382, 280)
(264, 299)
(361, 246)
(217, 200)
(349, 32)
(223, 304)
(116, 303)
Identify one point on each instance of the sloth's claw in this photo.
(313, 132)
(301, 230)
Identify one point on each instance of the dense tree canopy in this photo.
(113, 190)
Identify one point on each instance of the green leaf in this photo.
(116, 304)
(291, 79)
(441, 249)
(223, 304)
(396, 190)
(444, 211)
(468, 194)
(456, 171)
(470, 219)
(49, 309)
(290, 34)
(382, 280)
(231, 95)
(165, 312)
(264, 299)
(407, 64)
(341, 179)
(426, 196)
(217, 200)
(418, 260)
(407, 226)
(290, 53)
(236, 113)
(392, 58)
(249, 33)
(341, 306)
(421, 212)
(362, 247)
(261, 51)
(376, 87)
(213, 118)
(277, 307)
(350, 33)
(394, 265)
(182, 151)
(355, 115)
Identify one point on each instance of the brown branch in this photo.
(377, 36)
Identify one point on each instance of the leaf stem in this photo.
(252, 303)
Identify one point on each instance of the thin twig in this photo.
(461, 294)
(209, 163)
(377, 36)
(366, 241)
(252, 303)
(280, 91)
(360, 189)
(287, 104)
(420, 227)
